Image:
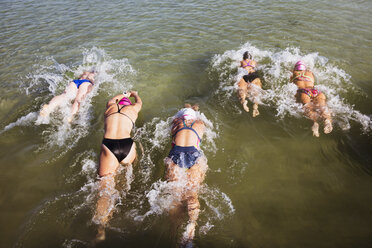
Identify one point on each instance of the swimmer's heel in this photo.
(328, 126)
(245, 107)
(315, 129)
(101, 234)
(255, 110)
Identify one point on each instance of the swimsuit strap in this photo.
(311, 92)
(119, 109)
(302, 74)
(82, 80)
(188, 128)
(248, 64)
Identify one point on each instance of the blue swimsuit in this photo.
(79, 82)
(185, 156)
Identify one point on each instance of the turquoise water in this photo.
(269, 183)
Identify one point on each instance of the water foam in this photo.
(279, 92)
(114, 76)
(162, 195)
(22, 121)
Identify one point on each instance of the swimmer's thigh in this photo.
(108, 163)
(131, 155)
(320, 99)
(303, 98)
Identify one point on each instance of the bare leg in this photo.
(256, 94)
(255, 110)
(242, 94)
(105, 204)
(312, 115)
(310, 112)
(325, 113)
(58, 100)
(243, 100)
(84, 89)
(315, 129)
(196, 175)
(173, 174)
(193, 209)
(328, 126)
(108, 165)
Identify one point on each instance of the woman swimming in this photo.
(314, 101)
(186, 165)
(249, 85)
(79, 88)
(117, 148)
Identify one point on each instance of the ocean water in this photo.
(270, 183)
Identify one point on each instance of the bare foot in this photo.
(45, 110)
(245, 107)
(315, 129)
(188, 235)
(328, 126)
(255, 110)
(101, 234)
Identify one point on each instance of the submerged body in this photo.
(314, 101)
(249, 85)
(78, 88)
(186, 166)
(117, 148)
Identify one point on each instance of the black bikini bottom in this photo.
(119, 147)
(250, 77)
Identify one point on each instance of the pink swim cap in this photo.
(125, 101)
(300, 66)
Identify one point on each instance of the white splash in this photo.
(22, 121)
(114, 76)
(279, 92)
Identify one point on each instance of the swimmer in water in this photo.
(186, 165)
(117, 148)
(314, 101)
(78, 88)
(250, 84)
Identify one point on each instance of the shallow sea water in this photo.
(270, 183)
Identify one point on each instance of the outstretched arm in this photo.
(137, 99)
(114, 100)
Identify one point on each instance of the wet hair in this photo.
(247, 55)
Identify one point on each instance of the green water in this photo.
(269, 184)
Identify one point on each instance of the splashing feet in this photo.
(101, 234)
(255, 110)
(245, 107)
(328, 126)
(188, 235)
(315, 129)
